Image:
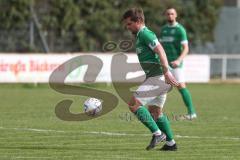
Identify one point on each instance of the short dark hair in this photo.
(136, 15)
(170, 7)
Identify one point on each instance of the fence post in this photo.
(31, 28)
(224, 68)
(31, 34)
(38, 26)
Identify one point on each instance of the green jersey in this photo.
(146, 41)
(172, 38)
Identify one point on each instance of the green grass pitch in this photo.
(29, 128)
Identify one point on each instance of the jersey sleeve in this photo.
(183, 36)
(150, 39)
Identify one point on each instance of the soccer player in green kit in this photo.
(152, 92)
(174, 40)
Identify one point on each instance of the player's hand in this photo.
(175, 63)
(170, 79)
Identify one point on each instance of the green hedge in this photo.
(86, 25)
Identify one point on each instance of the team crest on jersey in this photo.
(138, 50)
(173, 31)
(164, 31)
(137, 41)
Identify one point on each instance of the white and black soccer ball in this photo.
(92, 106)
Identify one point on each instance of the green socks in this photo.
(145, 117)
(164, 125)
(162, 122)
(187, 100)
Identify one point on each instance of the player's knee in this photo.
(134, 104)
(155, 112)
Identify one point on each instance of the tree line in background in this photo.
(86, 25)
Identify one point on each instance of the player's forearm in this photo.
(163, 58)
(183, 55)
(184, 52)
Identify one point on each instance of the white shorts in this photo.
(153, 91)
(178, 73)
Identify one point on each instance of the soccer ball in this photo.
(92, 106)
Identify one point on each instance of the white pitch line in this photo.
(32, 157)
(113, 133)
(177, 136)
(198, 137)
(31, 129)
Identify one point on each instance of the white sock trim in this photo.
(170, 143)
(158, 132)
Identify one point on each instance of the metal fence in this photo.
(225, 66)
